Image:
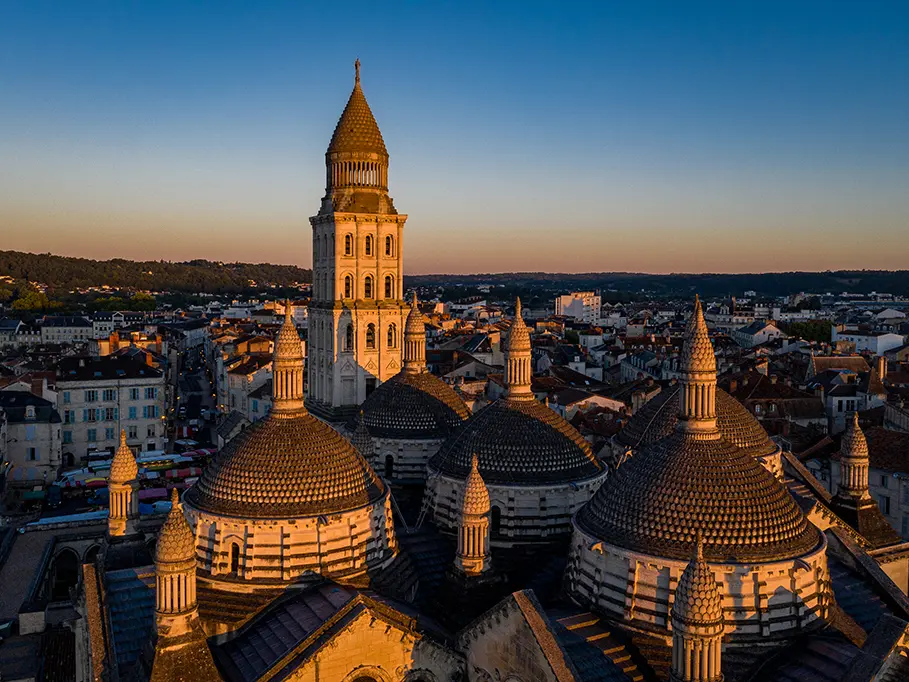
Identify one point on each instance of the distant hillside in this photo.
(64, 273)
(769, 284)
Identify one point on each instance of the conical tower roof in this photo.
(123, 468)
(361, 439)
(697, 353)
(854, 443)
(415, 324)
(357, 130)
(175, 541)
(697, 598)
(518, 334)
(476, 496)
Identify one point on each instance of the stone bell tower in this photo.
(357, 312)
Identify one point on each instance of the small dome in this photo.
(697, 598)
(357, 130)
(476, 496)
(413, 405)
(683, 486)
(175, 540)
(285, 468)
(659, 416)
(519, 442)
(123, 468)
(854, 443)
(415, 324)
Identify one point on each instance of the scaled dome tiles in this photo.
(413, 405)
(659, 416)
(357, 130)
(680, 487)
(285, 468)
(518, 442)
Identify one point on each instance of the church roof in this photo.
(519, 442)
(680, 487)
(277, 468)
(357, 130)
(659, 416)
(413, 405)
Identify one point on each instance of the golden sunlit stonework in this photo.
(683, 552)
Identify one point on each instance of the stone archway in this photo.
(64, 574)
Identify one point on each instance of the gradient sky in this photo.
(633, 136)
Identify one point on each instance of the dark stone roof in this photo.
(659, 416)
(15, 403)
(520, 442)
(108, 367)
(286, 467)
(681, 486)
(413, 405)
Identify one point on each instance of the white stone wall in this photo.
(527, 513)
(44, 437)
(411, 458)
(770, 599)
(339, 545)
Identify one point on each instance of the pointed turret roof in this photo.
(415, 324)
(287, 369)
(697, 352)
(518, 335)
(361, 439)
(476, 496)
(123, 468)
(175, 541)
(697, 598)
(854, 445)
(357, 130)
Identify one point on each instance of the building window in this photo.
(367, 287)
(67, 437)
(149, 411)
(132, 432)
(371, 336)
(389, 246)
(389, 467)
(392, 341)
(66, 397)
(150, 431)
(348, 338)
(368, 246)
(234, 558)
(109, 434)
(133, 413)
(348, 286)
(134, 394)
(885, 480)
(111, 414)
(348, 245)
(883, 502)
(109, 395)
(92, 435)
(389, 286)
(33, 454)
(91, 396)
(151, 393)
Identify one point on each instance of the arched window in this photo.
(371, 336)
(348, 338)
(348, 286)
(389, 246)
(348, 245)
(392, 336)
(367, 287)
(389, 286)
(234, 558)
(389, 467)
(495, 522)
(368, 245)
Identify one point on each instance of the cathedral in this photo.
(699, 552)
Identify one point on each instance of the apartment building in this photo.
(100, 396)
(583, 306)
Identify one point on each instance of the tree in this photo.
(32, 301)
(142, 301)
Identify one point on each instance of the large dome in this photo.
(285, 468)
(519, 442)
(413, 405)
(659, 416)
(683, 486)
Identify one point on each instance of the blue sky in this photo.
(651, 136)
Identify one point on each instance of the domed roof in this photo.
(123, 467)
(413, 405)
(659, 416)
(683, 486)
(476, 496)
(519, 442)
(697, 597)
(175, 540)
(290, 467)
(854, 443)
(357, 130)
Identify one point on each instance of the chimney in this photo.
(882, 366)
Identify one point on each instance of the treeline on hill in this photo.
(197, 276)
(710, 285)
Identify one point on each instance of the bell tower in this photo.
(357, 311)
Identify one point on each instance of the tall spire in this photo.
(697, 404)
(697, 623)
(473, 556)
(287, 370)
(357, 70)
(414, 340)
(518, 367)
(854, 462)
(124, 491)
